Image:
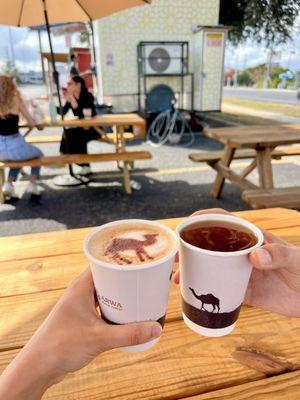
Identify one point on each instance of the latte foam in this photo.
(131, 244)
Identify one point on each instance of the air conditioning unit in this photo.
(163, 58)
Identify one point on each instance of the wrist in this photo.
(29, 375)
(23, 380)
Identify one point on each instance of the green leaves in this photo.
(269, 21)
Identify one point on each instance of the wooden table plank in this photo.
(184, 364)
(126, 156)
(28, 310)
(49, 273)
(46, 266)
(253, 136)
(45, 271)
(44, 244)
(22, 314)
(40, 274)
(98, 120)
(287, 197)
(282, 387)
(49, 244)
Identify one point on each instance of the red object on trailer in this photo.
(84, 60)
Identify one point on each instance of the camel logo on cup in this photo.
(116, 305)
(207, 299)
(122, 244)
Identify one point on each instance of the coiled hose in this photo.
(164, 128)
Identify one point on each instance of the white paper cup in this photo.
(133, 293)
(87, 112)
(213, 284)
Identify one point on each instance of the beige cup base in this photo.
(208, 331)
(140, 347)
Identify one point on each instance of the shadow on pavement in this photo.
(104, 201)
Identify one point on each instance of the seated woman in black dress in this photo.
(75, 140)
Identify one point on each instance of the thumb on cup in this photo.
(273, 256)
(131, 334)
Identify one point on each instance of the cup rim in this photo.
(221, 217)
(134, 267)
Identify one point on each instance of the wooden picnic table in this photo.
(117, 121)
(259, 360)
(262, 139)
(119, 137)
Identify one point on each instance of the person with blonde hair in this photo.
(13, 146)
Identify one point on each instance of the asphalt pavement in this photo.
(171, 186)
(270, 95)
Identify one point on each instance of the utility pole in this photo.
(268, 72)
(236, 66)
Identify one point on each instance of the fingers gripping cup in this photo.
(215, 270)
(132, 263)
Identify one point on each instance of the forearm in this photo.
(74, 104)
(64, 109)
(21, 380)
(25, 378)
(26, 114)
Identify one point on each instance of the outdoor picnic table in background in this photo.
(119, 137)
(117, 121)
(259, 360)
(263, 140)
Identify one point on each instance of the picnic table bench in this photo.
(259, 360)
(261, 144)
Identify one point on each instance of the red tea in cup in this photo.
(216, 236)
(214, 270)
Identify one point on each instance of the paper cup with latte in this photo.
(132, 263)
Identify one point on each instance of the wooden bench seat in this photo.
(215, 156)
(281, 197)
(109, 137)
(125, 157)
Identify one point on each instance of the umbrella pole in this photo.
(94, 69)
(55, 76)
(55, 73)
(93, 42)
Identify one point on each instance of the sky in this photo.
(251, 54)
(21, 44)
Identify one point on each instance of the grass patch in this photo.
(286, 109)
(228, 119)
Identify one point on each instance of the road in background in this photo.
(271, 95)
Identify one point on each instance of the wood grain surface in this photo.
(79, 158)
(287, 196)
(259, 360)
(282, 387)
(98, 120)
(253, 136)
